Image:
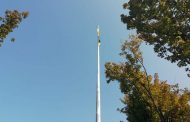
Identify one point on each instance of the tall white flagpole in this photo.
(98, 106)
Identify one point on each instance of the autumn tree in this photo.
(10, 21)
(146, 97)
(165, 24)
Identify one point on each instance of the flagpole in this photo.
(98, 106)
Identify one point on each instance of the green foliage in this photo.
(11, 21)
(164, 24)
(147, 98)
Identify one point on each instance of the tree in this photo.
(147, 98)
(165, 24)
(11, 21)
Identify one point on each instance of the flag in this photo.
(99, 42)
(98, 33)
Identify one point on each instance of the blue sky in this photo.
(49, 73)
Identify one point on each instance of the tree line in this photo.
(165, 24)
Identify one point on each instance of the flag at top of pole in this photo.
(98, 33)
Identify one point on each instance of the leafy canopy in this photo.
(165, 24)
(146, 98)
(11, 21)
